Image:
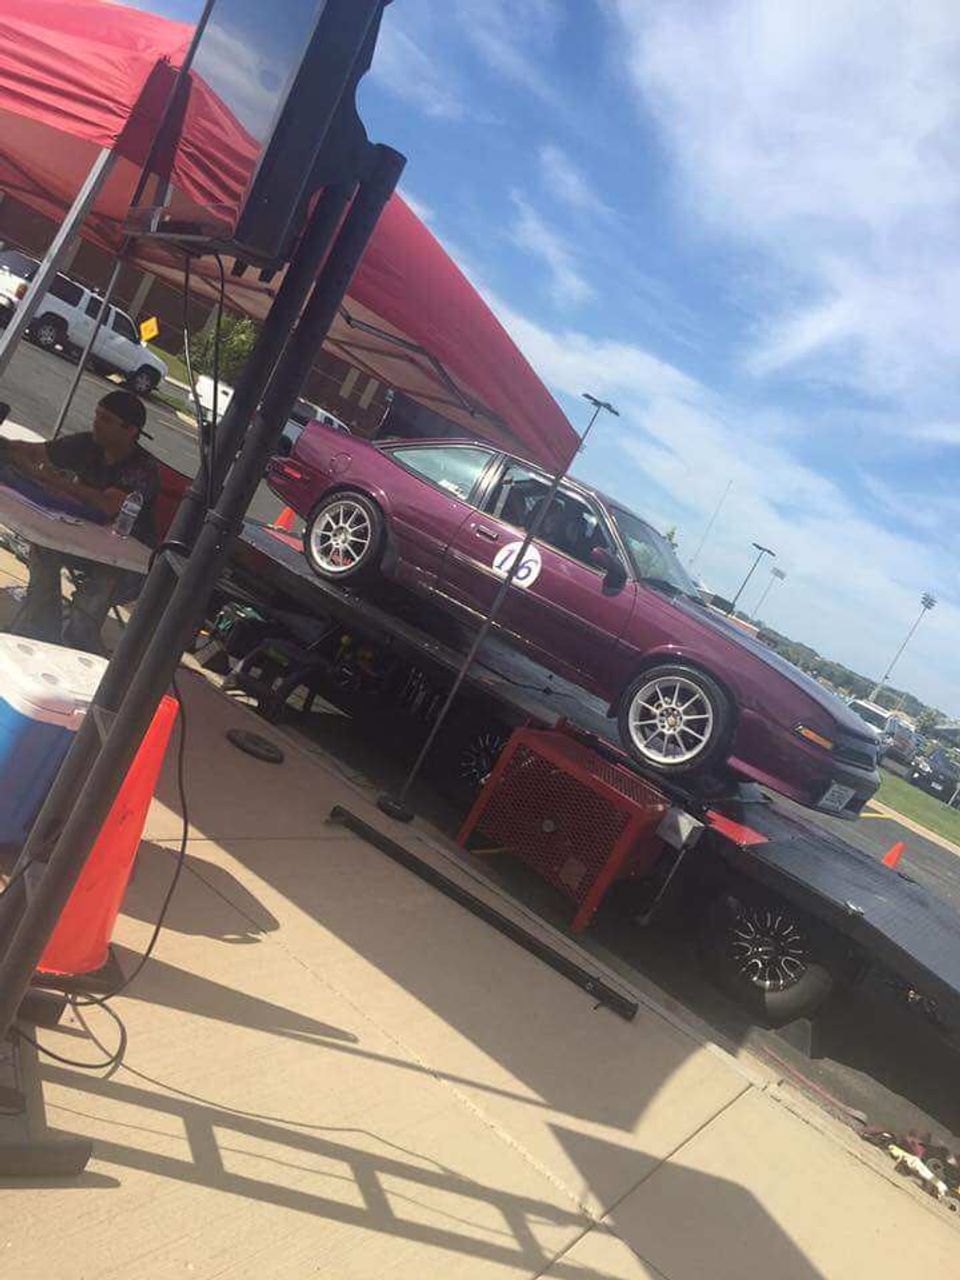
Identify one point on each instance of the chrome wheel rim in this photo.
(143, 383)
(340, 537)
(768, 949)
(47, 335)
(479, 757)
(671, 720)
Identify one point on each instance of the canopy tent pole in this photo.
(69, 230)
(85, 354)
(196, 575)
(396, 806)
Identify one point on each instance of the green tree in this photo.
(671, 536)
(237, 336)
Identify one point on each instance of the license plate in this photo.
(836, 797)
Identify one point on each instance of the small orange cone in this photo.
(285, 520)
(80, 942)
(893, 855)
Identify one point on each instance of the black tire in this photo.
(367, 562)
(766, 955)
(144, 381)
(653, 753)
(48, 332)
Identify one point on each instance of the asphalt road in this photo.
(36, 385)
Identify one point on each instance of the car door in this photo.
(559, 606)
(430, 491)
(121, 341)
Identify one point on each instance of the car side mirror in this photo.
(615, 573)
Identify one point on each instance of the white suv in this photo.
(66, 316)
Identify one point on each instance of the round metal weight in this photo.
(254, 744)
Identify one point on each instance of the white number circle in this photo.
(528, 572)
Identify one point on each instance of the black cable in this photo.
(75, 1002)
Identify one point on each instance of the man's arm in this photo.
(107, 501)
(27, 457)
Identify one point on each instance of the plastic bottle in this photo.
(127, 515)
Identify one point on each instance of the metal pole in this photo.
(196, 576)
(137, 634)
(710, 523)
(396, 806)
(85, 356)
(927, 602)
(761, 552)
(66, 234)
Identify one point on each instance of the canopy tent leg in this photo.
(85, 354)
(69, 230)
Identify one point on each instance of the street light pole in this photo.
(761, 552)
(776, 575)
(927, 602)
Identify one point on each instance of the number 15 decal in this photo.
(528, 572)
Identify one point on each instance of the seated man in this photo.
(98, 469)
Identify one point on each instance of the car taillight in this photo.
(288, 469)
(20, 291)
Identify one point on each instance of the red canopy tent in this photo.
(78, 76)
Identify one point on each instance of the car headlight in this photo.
(817, 739)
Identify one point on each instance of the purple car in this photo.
(600, 598)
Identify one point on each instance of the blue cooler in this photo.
(44, 694)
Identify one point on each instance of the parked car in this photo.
(66, 316)
(600, 598)
(937, 774)
(897, 740)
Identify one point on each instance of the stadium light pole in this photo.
(761, 552)
(928, 601)
(776, 575)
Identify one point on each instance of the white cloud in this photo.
(406, 69)
(826, 135)
(565, 181)
(532, 233)
(506, 32)
(420, 207)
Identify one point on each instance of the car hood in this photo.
(839, 712)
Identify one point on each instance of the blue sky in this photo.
(738, 222)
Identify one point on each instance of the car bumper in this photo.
(777, 758)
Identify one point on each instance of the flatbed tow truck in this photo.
(783, 908)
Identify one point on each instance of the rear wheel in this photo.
(675, 719)
(767, 956)
(48, 332)
(343, 540)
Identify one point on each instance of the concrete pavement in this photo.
(334, 1070)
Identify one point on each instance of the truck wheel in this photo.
(48, 332)
(343, 540)
(144, 381)
(766, 955)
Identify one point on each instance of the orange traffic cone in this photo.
(285, 520)
(893, 855)
(80, 942)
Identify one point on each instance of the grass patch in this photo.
(176, 368)
(920, 807)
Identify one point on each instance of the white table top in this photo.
(69, 534)
(60, 532)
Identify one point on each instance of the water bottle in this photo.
(127, 515)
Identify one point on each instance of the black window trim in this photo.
(478, 485)
(582, 495)
(115, 315)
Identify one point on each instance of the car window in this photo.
(123, 325)
(66, 291)
(653, 556)
(571, 525)
(93, 307)
(18, 264)
(454, 469)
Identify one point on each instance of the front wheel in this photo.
(675, 719)
(343, 539)
(48, 332)
(144, 381)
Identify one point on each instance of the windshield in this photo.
(654, 559)
(877, 718)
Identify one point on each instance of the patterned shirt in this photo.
(136, 473)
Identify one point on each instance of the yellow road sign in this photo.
(150, 329)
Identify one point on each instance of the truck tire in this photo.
(766, 955)
(48, 332)
(144, 380)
